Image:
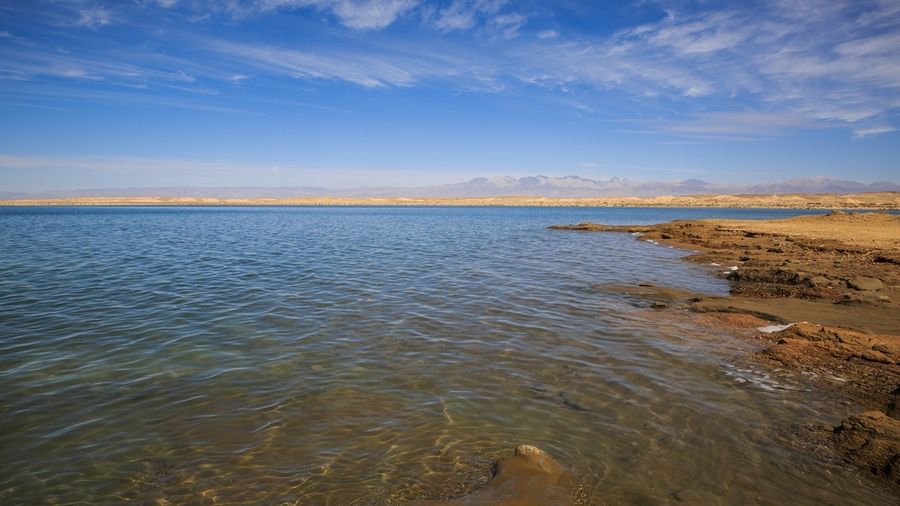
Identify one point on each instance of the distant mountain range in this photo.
(500, 186)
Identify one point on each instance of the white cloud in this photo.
(376, 67)
(457, 15)
(509, 24)
(22, 63)
(875, 130)
(782, 69)
(880, 44)
(368, 71)
(92, 17)
(786, 65)
(356, 14)
(792, 67)
(465, 14)
(371, 14)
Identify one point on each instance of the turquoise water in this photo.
(332, 356)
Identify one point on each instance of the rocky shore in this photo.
(835, 278)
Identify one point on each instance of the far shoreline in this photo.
(857, 201)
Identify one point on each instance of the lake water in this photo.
(367, 356)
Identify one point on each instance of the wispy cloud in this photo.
(790, 67)
(705, 71)
(547, 34)
(875, 130)
(27, 63)
(356, 14)
(455, 15)
(462, 14)
(94, 16)
(370, 14)
(368, 71)
(378, 67)
(81, 13)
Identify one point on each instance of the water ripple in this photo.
(368, 356)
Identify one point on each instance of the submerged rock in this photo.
(529, 478)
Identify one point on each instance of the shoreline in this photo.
(832, 282)
(861, 201)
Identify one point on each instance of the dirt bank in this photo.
(838, 274)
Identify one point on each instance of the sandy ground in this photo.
(836, 278)
(879, 200)
(865, 230)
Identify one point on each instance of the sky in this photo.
(351, 93)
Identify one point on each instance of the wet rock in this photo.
(659, 305)
(529, 478)
(871, 441)
(776, 275)
(865, 284)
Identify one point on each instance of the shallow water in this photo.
(332, 356)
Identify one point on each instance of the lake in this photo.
(368, 356)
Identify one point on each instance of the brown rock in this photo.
(529, 478)
(865, 284)
(817, 281)
(871, 441)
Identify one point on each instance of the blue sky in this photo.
(345, 93)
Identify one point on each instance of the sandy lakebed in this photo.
(835, 279)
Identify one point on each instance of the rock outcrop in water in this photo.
(529, 478)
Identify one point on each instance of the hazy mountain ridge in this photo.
(498, 186)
